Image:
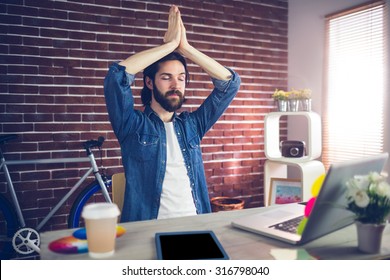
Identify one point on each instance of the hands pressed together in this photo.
(176, 31)
(175, 38)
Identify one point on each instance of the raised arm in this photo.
(143, 59)
(212, 67)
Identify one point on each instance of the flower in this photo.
(293, 94)
(280, 94)
(305, 93)
(368, 197)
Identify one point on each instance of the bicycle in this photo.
(14, 235)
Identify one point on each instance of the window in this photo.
(355, 83)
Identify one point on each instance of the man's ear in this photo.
(149, 83)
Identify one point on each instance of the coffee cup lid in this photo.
(100, 210)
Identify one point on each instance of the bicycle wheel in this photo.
(91, 194)
(8, 226)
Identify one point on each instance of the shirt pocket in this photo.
(145, 147)
(195, 150)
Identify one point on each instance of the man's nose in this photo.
(174, 84)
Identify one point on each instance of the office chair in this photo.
(118, 189)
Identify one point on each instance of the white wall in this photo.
(306, 35)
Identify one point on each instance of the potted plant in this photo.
(281, 97)
(293, 100)
(368, 197)
(305, 99)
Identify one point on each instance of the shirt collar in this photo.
(149, 111)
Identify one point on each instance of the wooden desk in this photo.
(138, 241)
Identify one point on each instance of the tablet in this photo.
(189, 245)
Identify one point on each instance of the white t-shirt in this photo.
(176, 197)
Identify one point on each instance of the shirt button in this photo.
(184, 150)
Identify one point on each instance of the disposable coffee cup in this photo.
(100, 223)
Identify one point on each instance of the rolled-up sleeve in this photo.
(223, 85)
(119, 98)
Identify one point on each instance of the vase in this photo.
(305, 104)
(282, 105)
(369, 237)
(293, 105)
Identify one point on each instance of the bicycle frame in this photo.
(93, 169)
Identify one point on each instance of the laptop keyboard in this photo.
(289, 225)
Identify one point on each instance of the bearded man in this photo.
(161, 152)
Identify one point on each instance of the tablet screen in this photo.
(191, 245)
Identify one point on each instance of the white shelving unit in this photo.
(272, 137)
(276, 166)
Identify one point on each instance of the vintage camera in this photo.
(292, 148)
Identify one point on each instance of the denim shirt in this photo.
(142, 139)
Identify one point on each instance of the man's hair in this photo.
(151, 70)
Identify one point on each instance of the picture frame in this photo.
(284, 191)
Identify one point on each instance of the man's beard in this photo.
(169, 104)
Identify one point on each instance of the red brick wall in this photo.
(54, 56)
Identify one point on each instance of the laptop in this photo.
(326, 215)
